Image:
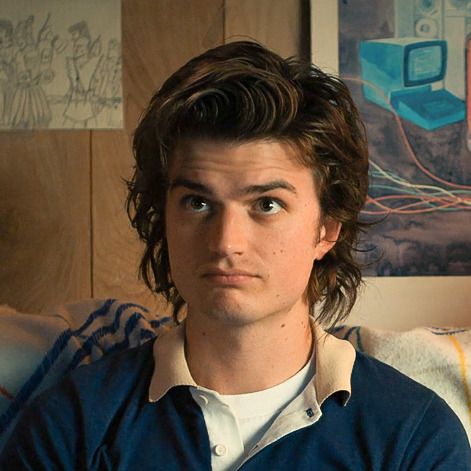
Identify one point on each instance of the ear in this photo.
(328, 235)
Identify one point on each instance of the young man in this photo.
(251, 173)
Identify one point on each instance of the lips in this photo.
(228, 277)
(220, 272)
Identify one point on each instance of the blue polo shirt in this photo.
(106, 416)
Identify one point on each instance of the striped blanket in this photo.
(37, 350)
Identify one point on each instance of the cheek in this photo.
(292, 253)
(184, 245)
(175, 244)
(178, 247)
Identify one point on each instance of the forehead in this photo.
(199, 155)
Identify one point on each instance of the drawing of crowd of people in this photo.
(28, 64)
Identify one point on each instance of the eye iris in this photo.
(197, 203)
(267, 205)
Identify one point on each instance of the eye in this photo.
(269, 205)
(196, 204)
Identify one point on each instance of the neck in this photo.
(247, 358)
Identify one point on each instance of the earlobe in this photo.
(328, 235)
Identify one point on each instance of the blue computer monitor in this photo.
(398, 74)
(392, 65)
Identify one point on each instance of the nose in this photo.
(228, 232)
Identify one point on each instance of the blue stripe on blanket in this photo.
(52, 355)
(131, 324)
(446, 331)
(93, 339)
(354, 329)
(349, 332)
(359, 341)
(334, 330)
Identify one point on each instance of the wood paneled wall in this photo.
(64, 234)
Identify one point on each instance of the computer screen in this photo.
(424, 63)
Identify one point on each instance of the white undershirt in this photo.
(236, 423)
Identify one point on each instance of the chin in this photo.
(229, 313)
(231, 316)
(238, 315)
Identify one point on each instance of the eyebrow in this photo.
(249, 190)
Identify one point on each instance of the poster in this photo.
(406, 64)
(60, 64)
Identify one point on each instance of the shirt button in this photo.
(220, 450)
(203, 400)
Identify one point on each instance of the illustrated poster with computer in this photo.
(408, 65)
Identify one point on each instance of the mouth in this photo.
(228, 277)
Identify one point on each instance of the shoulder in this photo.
(105, 381)
(68, 420)
(382, 386)
(369, 372)
(412, 415)
(99, 386)
(125, 364)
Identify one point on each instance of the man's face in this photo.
(243, 229)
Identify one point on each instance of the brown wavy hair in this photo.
(239, 92)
